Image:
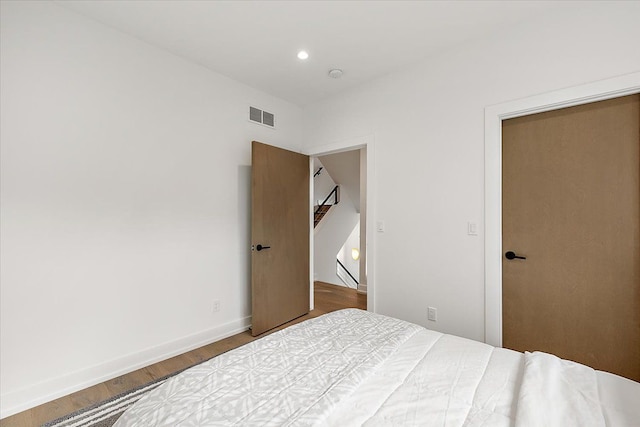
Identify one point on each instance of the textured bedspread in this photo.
(293, 377)
(352, 368)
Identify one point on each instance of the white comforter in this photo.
(558, 392)
(357, 368)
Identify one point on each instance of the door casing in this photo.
(604, 89)
(348, 145)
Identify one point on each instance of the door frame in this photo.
(628, 84)
(338, 147)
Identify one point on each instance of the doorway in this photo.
(272, 165)
(279, 239)
(336, 182)
(494, 115)
(361, 149)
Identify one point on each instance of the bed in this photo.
(352, 368)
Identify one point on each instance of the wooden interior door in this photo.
(571, 201)
(280, 227)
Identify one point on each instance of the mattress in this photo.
(352, 368)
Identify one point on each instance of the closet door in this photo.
(571, 201)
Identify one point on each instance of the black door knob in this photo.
(512, 255)
(260, 247)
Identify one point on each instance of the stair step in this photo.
(319, 214)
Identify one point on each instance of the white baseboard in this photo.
(46, 391)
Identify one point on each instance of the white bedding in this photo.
(558, 392)
(352, 367)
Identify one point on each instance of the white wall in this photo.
(125, 202)
(344, 168)
(329, 236)
(322, 184)
(429, 142)
(345, 255)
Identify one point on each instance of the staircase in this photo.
(320, 212)
(323, 208)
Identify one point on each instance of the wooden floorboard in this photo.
(327, 298)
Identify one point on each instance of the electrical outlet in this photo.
(432, 314)
(216, 306)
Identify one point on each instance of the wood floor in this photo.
(327, 298)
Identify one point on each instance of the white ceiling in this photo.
(256, 42)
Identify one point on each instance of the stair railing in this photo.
(336, 193)
(348, 272)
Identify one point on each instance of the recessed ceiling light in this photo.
(303, 54)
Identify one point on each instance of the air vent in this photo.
(267, 119)
(256, 115)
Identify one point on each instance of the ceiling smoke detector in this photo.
(335, 73)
